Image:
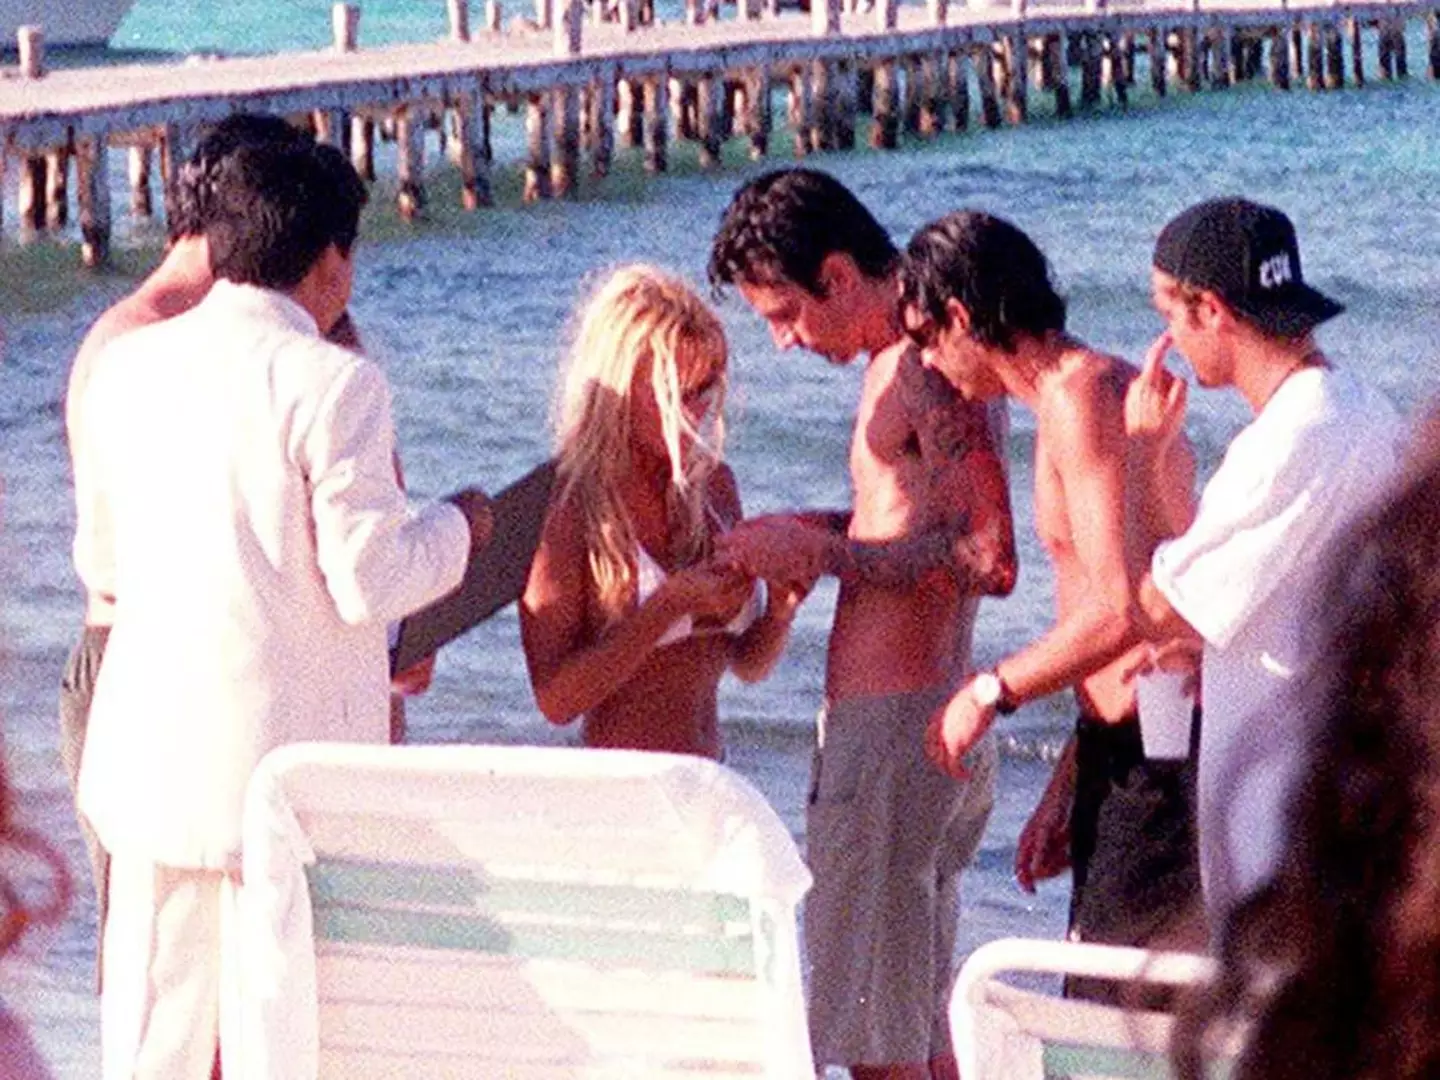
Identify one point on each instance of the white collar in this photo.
(263, 303)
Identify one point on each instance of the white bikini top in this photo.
(650, 575)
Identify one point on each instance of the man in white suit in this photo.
(243, 468)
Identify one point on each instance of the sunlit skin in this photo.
(798, 318)
(1102, 502)
(923, 468)
(953, 353)
(586, 662)
(1193, 327)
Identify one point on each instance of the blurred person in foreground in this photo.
(1334, 964)
(629, 619)
(244, 469)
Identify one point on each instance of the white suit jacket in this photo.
(241, 469)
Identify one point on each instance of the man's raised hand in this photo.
(1155, 400)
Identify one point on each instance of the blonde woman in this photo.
(628, 619)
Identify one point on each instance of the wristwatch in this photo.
(991, 692)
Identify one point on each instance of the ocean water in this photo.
(470, 315)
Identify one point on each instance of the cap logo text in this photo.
(1276, 271)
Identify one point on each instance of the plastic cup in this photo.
(1165, 714)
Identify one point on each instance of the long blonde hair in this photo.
(639, 317)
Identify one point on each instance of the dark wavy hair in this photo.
(1335, 964)
(988, 265)
(277, 208)
(192, 191)
(780, 226)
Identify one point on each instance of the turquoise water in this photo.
(470, 315)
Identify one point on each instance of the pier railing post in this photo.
(30, 41)
(568, 27)
(345, 25)
(825, 17)
(459, 12)
(494, 16)
(887, 14)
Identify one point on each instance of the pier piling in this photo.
(142, 202)
(911, 75)
(410, 162)
(537, 140)
(92, 181)
(656, 109)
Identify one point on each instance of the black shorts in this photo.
(1132, 838)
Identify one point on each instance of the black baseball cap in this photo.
(1247, 255)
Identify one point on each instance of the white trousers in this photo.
(166, 959)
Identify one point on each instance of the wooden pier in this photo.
(595, 81)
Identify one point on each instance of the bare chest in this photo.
(885, 450)
(1052, 512)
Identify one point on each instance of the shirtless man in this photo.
(930, 532)
(979, 304)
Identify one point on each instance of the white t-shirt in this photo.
(1245, 576)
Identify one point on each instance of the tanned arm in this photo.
(1086, 440)
(971, 533)
(753, 654)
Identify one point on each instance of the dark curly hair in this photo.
(277, 207)
(781, 225)
(1335, 963)
(192, 190)
(989, 266)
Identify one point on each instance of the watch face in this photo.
(987, 688)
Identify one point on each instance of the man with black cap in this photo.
(1227, 281)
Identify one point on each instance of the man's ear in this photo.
(1212, 313)
(838, 274)
(958, 315)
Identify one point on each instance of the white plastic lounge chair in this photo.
(516, 913)
(1003, 1032)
